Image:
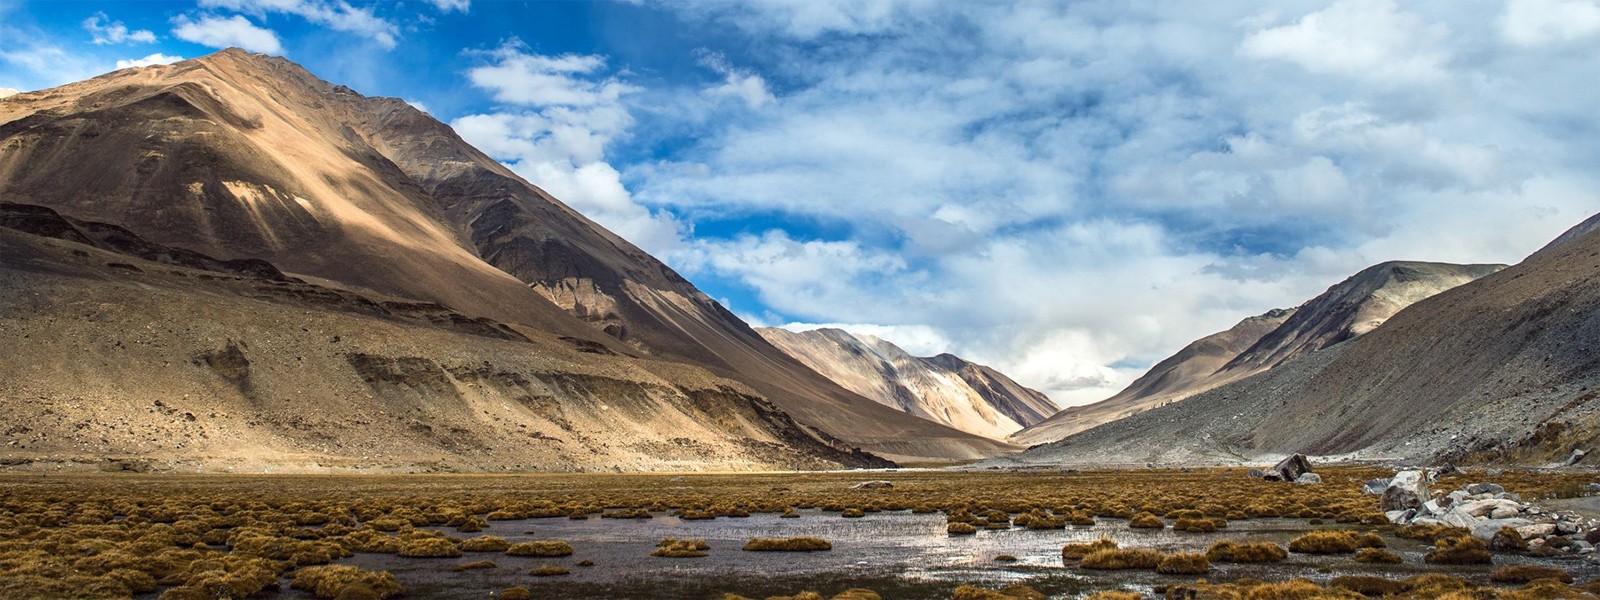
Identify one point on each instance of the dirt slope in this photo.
(243, 156)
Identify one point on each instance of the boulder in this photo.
(1484, 488)
(1401, 517)
(1374, 487)
(1505, 540)
(1308, 478)
(1577, 455)
(1257, 473)
(1482, 508)
(1504, 512)
(1455, 517)
(1407, 489)
(1291, 468)
(1536, 530)
(872, 485)
(1486, 530)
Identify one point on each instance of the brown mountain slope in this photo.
(237, 155)
(1347, 309)
(1192, 370)
(1504, 367)
(943, 389)
(122, 353)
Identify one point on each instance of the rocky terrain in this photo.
(327, 199)
(1348, 309)
(944, 389)
(1504, 368)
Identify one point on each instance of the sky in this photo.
(1067, 191)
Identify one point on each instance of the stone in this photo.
(1308, 478)
(1536, 530)
(1592, 537)
(1292, 467)
(1447, 470)
(1407, 489)
(1593, 488)
(872, 485)
(1257, 473)
(1566, 527)
(1401, 517)
(1437, 506)
(1485, 488)
(1504, 512)
(1577, 455)
(1505, 540)
(1457, 497)
(1485, 530)
(1455, 517)
(1482, 508)
(1374, 487)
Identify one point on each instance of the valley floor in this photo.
(478, 536)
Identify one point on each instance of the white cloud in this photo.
(1069, 192)
(1360, 38)
(153, 59)
(743, 85)
(417, 104)
(5, 91)
(562, 113)
(223, 32)
(337, 15)
(1539, 22)
(105, 31)
(452, 5)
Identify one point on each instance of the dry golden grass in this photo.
(1184, 563)
(1010, 592)
(1377, 556)
(671, 548)
(1367, 585)
(1078, 550)
(487, 543)
(549, 571)
(515, 593)
(1459, 551)
(1110, 595)
(1326, 541)
(1529, 573)
(1416, 531)
(1123, 558)
(342, 581)
(961, 529)
(1228, 551)
(540, 548)
(429, 548)
(475, 565)
(1146, 520)
(793, 544)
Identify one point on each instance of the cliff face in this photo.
(241, 156)
(945, 389)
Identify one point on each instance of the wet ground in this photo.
(898, 554)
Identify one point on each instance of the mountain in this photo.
(239, 156)
(1503, 368)
(1192, 370)
(1348, 309)
(945, 389)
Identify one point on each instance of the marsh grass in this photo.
(1078, 550)
(542, 548)
(1228, 551)
(342, 581)
(1459, 551)
(1123, 558)
(793, 544)
(1377, 556)
(1184, 563)
(1529, 574)
(549, 571)
(674, 548)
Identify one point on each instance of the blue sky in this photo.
(1066, 191)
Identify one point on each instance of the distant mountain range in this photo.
(407, 302)
(1505, 367)
(945, 388)
(1350, 308)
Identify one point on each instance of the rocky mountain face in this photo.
(945, 388)
(1348, 309)
(1503, 368)
(362, 202)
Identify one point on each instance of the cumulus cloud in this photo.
(452, 5)
(743, 85)
(224, 32)
(1360, 38)
(1539, 22)
(1070, 192)
(337, 15)
(560, 115)
(153, 59)
(5, 91)
(105, 31)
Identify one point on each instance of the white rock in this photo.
(1485, 530)
(1401, 517)
(1504, 512)
(1407, 489)
(1308, 478)
(1455, 517)
(1537, 530)
(1479, 508)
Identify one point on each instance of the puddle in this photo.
(899, 554)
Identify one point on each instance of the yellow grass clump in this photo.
(1325, 541)
(1078, 550)
(540, 548)
(1123, 558)
(429, 548)
(1184, 563)
(1227, 551)
(487, 543)
(1146, 520)
(549, 571)
(1529, 573)
(793, 544)
(672, 548)
(343, 581)
(1011, 592)
(1459, 551)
